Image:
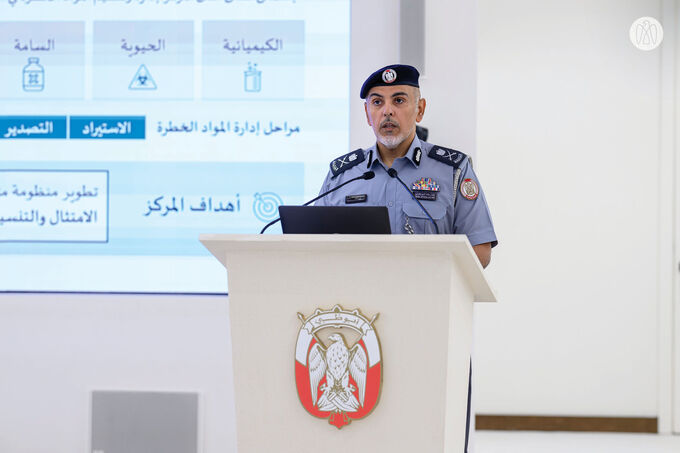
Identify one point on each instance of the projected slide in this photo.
(129, 127)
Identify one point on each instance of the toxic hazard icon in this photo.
(142, 80)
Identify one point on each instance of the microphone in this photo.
(367, 175)
(393, 173)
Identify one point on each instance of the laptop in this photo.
(334, 219)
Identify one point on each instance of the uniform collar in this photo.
(413, 155)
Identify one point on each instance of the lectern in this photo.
(350, 343)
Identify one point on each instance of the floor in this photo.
(560, 442)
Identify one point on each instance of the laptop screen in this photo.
(334, 219)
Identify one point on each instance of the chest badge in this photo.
(335, 381)
(358, 198)
(469, 189)
(425, 189)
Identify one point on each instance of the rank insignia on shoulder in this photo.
(446, 155)
(469, 189)
(425, 189)
(347, 161)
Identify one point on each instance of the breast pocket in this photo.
(417, 222)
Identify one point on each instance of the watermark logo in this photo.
(646, 33)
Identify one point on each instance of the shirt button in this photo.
(390, 204)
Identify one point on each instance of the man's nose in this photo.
(387, 110)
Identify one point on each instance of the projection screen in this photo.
(129, 127)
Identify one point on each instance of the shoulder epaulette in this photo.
(347, 161)
(448, 156)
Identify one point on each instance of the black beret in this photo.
(395, 74)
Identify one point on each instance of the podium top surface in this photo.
(457, 244)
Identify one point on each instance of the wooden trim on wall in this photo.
(542, 423)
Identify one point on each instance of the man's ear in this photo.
(368, 117)
(421, 109)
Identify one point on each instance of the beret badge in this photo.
(389, 75)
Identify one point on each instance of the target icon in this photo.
(266, 206)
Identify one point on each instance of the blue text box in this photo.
(32, 127)
(108, 127)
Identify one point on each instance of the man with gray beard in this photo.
(442, 179)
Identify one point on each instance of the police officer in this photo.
(442, 179)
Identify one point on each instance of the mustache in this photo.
(389, 122)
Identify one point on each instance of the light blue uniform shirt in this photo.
(441, 170)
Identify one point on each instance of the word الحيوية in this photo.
(177, 204)
(143, 49)
(222, 127)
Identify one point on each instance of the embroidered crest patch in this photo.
(469, 189)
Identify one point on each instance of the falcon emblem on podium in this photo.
(334, 380)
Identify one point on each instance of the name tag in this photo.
(425, 195)
(360, 198)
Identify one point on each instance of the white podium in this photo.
(420, 287)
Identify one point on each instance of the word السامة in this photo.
(24, 47)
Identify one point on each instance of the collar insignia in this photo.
(417, 154)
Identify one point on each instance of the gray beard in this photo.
(391, 141)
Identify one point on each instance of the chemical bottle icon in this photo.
(33, 75)
(252, 79)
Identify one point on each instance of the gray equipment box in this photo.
(143, 422)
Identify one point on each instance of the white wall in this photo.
(375, 43)
(450, 80)
(569, 146)
(56, 349)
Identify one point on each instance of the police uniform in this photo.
(441, 178)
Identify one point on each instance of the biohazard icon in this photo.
(142, 80)
(334, 380)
